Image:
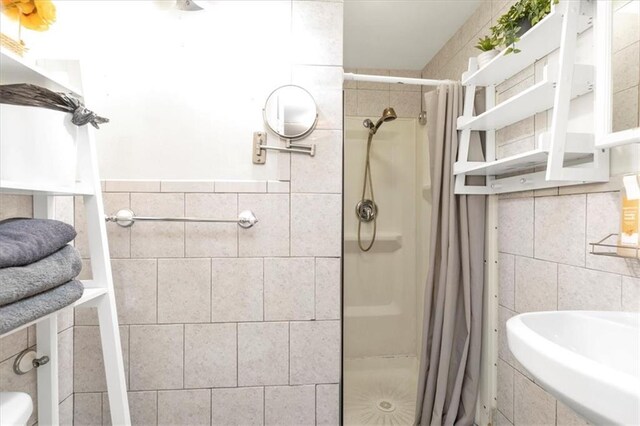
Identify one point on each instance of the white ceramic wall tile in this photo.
(143, 408)
(626, 28)
(237, 289)
(371, 103)
(270, 236)
(289, 406)
(501, 420)
(263, 354)
(135, 282)
(505, 389)
(560, 224)
(289, 288)
(15, 206)
(315, 352)
(316, 225)
(405, 103)
(322, 172)
(66, 412)
(536, 285)
(132, 186)
(241, 186)
(585, 289)
(162, 239)
(325, 85)
(63, 209)
(210, 355)
(630, 294)
(350, 102)
(184, 290)
(328, 288)
(186, 186)
(507, 278)
(328, 405)
(237, 407)
(625, 67)
(65, 364)
(184, 407)
(568, 417)
(87, 409)
(88, 365)
(603, 218)
(515, 226)
(164, 345)
(532, 405)
(211, 239)
(13, 344)
(278, 187)
(317, 33)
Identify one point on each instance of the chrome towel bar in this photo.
(126, 218)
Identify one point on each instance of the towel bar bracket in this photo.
(126, 218)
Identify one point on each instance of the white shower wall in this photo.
(382, 285)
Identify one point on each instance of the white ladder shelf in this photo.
(568, 158)
(98, 292)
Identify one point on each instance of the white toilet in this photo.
(15, 408)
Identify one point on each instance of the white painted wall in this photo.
(184, 90)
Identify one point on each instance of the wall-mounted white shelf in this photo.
(565, 158)
(579, 146)
(385, 242)
(14, 69)
(98, 292)
(536, 43)
(537, 98)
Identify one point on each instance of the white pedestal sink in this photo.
(588, 360)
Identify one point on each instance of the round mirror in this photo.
(290, 112)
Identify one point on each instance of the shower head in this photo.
(387, 115)
(188, 5)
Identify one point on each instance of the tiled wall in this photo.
(543, 236)
(366, 99)
(12, 345)
(217, 322)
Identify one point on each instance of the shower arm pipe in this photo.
(391, 79)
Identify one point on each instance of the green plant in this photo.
(486, 43)
(506, 30)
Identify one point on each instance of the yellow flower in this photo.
(33, 14)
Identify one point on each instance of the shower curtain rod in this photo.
(348, 76)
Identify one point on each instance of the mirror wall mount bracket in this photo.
(260, 147)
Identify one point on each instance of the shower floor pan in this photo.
(380, 390)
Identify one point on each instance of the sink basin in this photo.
(588, 360)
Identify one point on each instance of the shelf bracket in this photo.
(260, 147)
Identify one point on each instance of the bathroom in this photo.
(336, 267)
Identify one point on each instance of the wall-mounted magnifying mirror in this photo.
(290, 112)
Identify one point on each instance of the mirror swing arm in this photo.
(291, 113)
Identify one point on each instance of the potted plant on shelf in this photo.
(520, 17)
(488, 47)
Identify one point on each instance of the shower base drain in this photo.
(386, 406)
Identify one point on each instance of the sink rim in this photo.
(561, 370)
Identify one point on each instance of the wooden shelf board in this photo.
(23, 188)
(536, 43)
(14, 69)
(533, 100)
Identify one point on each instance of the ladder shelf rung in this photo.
(535, 99)
(28, 188)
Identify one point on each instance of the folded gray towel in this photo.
(34, 307)
(19, 282)
(24, 241)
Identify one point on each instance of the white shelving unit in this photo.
(568, 158)
(99, 291)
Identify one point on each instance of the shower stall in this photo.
(386, 218)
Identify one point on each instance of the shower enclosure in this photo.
(384, 285)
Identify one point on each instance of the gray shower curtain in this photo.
(451, 337)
